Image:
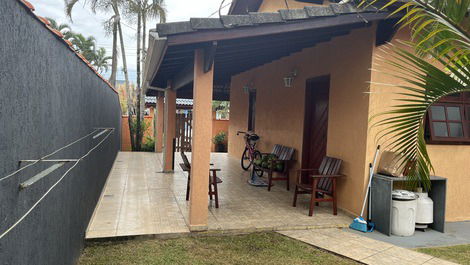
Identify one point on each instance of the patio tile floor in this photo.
(138, 199)
(361, 248)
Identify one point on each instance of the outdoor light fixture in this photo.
(289, 79)
(249, 87)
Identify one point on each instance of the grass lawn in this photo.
(257, 248)
(459, 254)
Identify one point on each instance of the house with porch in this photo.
(326, 51)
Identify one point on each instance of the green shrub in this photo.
(267, 160)
(149, 144)
(219, 138)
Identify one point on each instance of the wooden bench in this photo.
(213, 180)
(323, 183)
(284, 155)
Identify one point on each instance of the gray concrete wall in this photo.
(48, 98)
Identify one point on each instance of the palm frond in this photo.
(403, 127)
(69, 4)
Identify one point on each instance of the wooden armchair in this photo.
(284, 155)
(323, 185)
(213, 180)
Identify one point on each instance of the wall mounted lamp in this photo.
(289, 78)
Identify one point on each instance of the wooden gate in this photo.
(184, 130)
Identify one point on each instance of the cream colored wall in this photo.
(275, 5)
(280, 111)
(450, 161)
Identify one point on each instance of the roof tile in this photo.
(56, 32)
(293, 14)
(68, 42)
(263, 18)
(237, 20)
(344, 8)
(45, 20)
(174, 28)
(256, 18)
(28, 4)
(319, 11)
(206, 23)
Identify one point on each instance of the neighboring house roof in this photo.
(238, 43)
(150, 100)
(243, 7)
(179, 101)
(184, 102)
(60, 36)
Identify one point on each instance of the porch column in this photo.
(169, 128)
(201, 143)
(159, 125)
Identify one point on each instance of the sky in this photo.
(87, 23)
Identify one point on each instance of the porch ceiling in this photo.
(237, 43)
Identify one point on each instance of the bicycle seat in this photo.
(253, 137)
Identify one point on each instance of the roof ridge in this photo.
(257, 18)
(60, 36)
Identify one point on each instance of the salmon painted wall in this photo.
(275, 5)
(217, 127)
(280, 111)
(450, 161)
(125, 134)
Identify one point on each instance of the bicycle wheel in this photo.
(246, 162)
(257, 156)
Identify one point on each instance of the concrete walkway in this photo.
(362, 249)
(457, 233)
(139, 199)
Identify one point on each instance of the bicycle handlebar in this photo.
(238, 132)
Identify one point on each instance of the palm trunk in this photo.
(126, 75)
(139, 133)
(144, 52)
(112, 78)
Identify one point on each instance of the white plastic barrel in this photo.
(404, 205)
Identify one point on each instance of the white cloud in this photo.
(87, 23)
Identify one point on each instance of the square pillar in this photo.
(170, 129)
(201, 146)
(159, 124)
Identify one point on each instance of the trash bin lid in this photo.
(403, 195)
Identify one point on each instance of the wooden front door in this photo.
(316, 122)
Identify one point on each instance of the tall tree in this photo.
(107, 6)
(101, 60)
(141, 10)
(85, 45)
(437, 66)
(62, 28)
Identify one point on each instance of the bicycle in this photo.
(250, 154)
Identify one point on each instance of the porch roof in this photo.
(237, 43)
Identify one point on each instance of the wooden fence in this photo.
(184, 130)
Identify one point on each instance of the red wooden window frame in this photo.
(461, 101)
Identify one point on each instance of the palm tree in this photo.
(101, 60)
(62, 28)
(85, 45)
(107, 6)
(438, 67)
(142, 10)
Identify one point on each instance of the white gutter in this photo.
(155, 54)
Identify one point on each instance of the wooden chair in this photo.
(213, 179)
(284, 155)
(323, 183)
